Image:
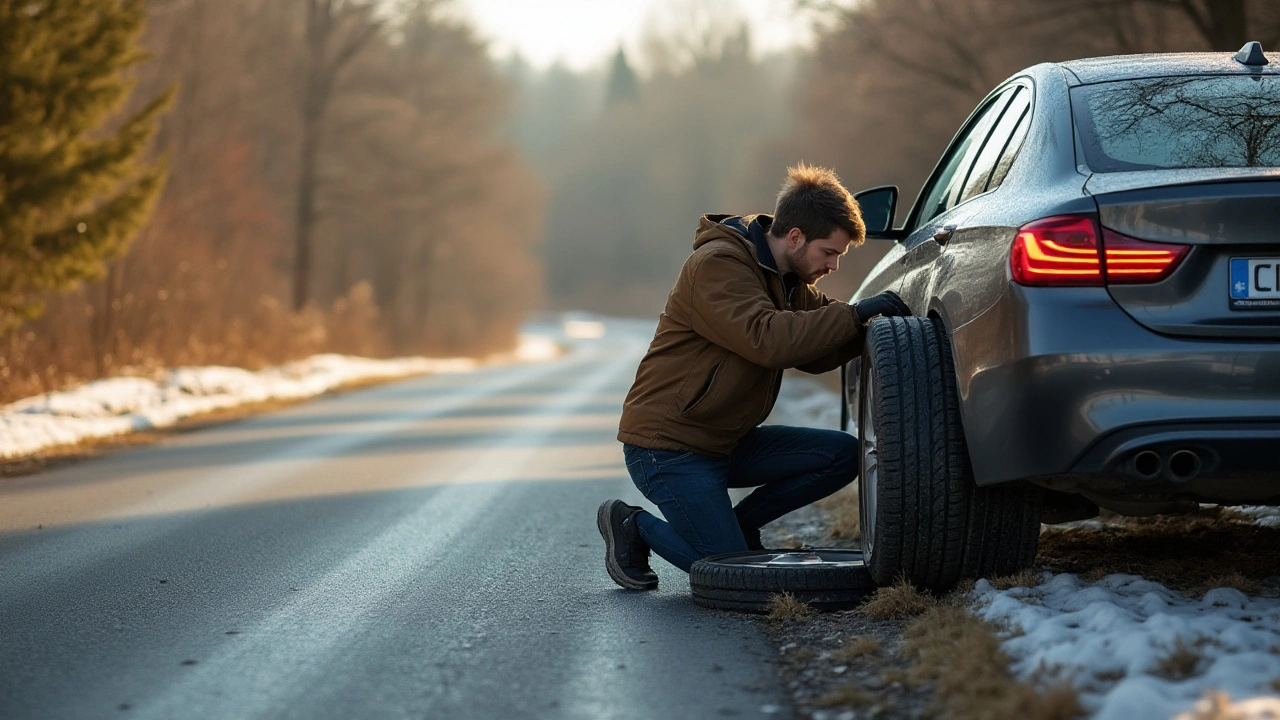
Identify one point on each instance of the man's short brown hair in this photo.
(813, 200)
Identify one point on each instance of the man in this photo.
(743, 309)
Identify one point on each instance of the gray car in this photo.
(1094, 269)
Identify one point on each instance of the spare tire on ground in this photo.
(826, 578)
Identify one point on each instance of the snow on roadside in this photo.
(1263, 515)
(1110, 637)
(126, 404)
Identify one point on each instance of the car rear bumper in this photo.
(1057, 381)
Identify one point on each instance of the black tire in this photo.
(925, 518)
(748, 581)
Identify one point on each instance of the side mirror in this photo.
(878, 207)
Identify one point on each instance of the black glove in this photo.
(886, 303)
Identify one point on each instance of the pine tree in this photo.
(623, 84)
(76, 184)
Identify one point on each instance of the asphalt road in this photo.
(423, 549)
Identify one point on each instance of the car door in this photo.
(967, 170)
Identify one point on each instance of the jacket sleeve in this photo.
(841, 355)
(730, 308)
(833, 360)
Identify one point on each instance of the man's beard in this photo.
(808, 274)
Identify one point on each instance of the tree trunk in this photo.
(323, 68)
(306, 212)
(1227, 26)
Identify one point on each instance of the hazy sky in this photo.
(583, 32)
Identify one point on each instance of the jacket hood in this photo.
(749, 230)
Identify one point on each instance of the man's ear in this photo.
(795, 238)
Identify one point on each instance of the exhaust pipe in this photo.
(1147, 465)
(1184, 465)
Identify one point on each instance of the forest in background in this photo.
(373, 126)
(363, 177)
(709, 127)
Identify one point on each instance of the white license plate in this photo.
(1255, 283)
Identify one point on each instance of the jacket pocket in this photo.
(705, 391)
(732, 394)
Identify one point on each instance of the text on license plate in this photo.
(1255, 283)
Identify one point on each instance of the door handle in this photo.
(943, 236)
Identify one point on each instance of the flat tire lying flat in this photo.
(826, 578)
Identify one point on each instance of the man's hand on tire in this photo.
(886, 303)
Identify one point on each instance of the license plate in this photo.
(1255, 283)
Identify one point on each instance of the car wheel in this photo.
(825, 578)
(849, 374)
(921, 514)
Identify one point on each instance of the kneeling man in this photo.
(743, 309)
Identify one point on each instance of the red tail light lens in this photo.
(1131, 261)
(1058, 251)
(1063, 251)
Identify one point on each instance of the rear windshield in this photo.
(1179, 122)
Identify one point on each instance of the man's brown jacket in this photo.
(730, 327)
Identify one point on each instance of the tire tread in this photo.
(933, 524)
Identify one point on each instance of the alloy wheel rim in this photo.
(870, 466)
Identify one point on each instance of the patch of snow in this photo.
(1264, 515)
(126, 404)
(1109, 637)
(584, 329)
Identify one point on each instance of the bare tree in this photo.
(684, 34)
(1223, 25)
(336, 31)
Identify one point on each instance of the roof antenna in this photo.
(1251, 54)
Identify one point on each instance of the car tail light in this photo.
(1063, 251)
(1131, 261)
(1057, 251)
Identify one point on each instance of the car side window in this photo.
(981, 170)
(945, 191)
(1011, 149)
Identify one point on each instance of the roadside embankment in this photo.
(124, 405)
(1120, 619)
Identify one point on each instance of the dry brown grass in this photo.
(67, 346)
(1213, 706)
(1109, 676)
(980, 687)
(855, 648)
(844, 696)
(897, 601)
(785, 607)
(1182, 661)
(1235, 579)
(843, 509)
(1023, 578)
(1191, 554)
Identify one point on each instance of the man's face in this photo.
(817, 258)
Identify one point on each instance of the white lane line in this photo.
(285, 656)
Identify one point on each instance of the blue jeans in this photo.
(790, 467)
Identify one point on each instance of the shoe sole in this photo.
(610, 562)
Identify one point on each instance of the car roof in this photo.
(1129, 67)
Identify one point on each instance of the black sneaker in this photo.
(626, 556)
